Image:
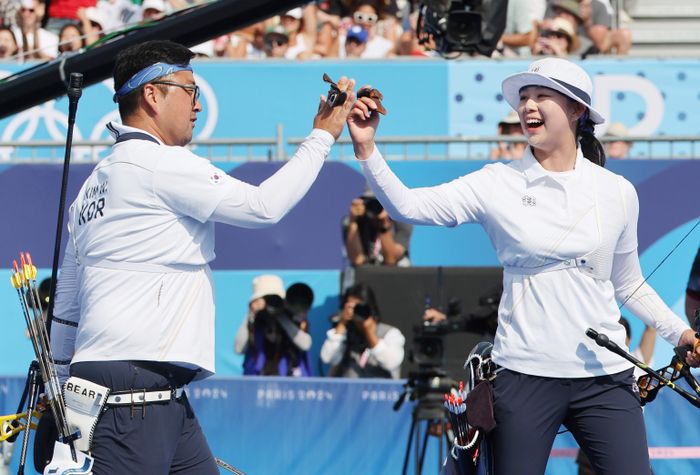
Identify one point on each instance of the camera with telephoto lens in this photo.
(373, 208)
(362, 311)
(268, 318)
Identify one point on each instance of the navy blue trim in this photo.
(577, 92)
(135, 136)
(64, 322)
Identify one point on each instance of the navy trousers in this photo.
(603, 414)
(157, 439)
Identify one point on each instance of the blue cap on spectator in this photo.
(357, 33)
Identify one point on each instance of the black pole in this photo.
(33, 383)
(75, 90)
(190, 27)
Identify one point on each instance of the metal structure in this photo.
(277, 148)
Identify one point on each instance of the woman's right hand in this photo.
(362, 125)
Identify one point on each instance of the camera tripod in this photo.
(429, 413)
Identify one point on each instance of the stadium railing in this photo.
(392, 147)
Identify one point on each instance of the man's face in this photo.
(276, 46)
(31, 15)
(354, 48)
(178, 114)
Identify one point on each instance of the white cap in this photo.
(158, 5)
(617, 129)
(511, 119)
(267, 284)
(94, 15)
(555, 73)
(294, 13)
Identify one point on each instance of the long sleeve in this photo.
(459, 201)
(299, 337)
(642, 300)
(630, 289)
(240, 343)
(333, 348)
(251, 206)
(389, 352)
(66, 315)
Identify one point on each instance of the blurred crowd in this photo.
(39, 29)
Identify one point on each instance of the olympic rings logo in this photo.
(25, 125)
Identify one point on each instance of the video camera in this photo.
(428, 338)
(462, 26)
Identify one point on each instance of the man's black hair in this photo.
(137, 57)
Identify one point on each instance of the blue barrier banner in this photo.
(307, 243)
(321, 426)
(424, 97)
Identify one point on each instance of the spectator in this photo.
(9, 9)
(301, 28)
(152, 10)
(355, 41)
(556, 38)
(274, 336)
(366, 15)
(520, 30)
(692, 291)
(510, 126)
(594, 26)
(359, 345)
(276, 42)
(328, 38)
(617, 148)
(249, 42)
(372, 237)
(8, 44)
(37, 42)
(65, 11)
(597, 18)
(92, 23)
(409, 45)
(70, 38)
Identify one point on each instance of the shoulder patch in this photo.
(215, 178)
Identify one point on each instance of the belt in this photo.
(141, 396)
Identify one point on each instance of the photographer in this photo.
(371, 237)
(360, 346)
(274, 334)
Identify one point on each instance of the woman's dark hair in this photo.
(364, 294)
(5, 28)
(62, 47)
(137, 57)
(591, 148)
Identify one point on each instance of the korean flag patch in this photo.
(215, 178)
